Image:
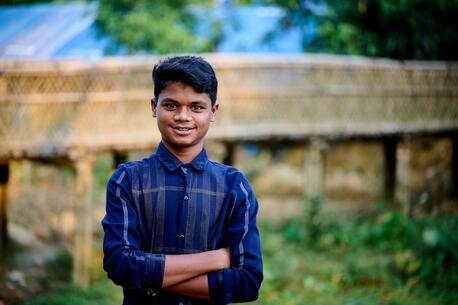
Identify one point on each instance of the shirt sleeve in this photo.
(242, 281)
(124, 262)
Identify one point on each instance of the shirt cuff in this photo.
(154, 271)
(215, 286)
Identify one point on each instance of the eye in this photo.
(197, 108)
(169, 106)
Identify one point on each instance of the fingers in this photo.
(226, 257)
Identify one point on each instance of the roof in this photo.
(49, 30)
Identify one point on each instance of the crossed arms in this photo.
(186, 274)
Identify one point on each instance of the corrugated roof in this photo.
(42, 30)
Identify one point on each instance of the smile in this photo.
(182, 128)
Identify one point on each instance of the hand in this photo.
(223, 257)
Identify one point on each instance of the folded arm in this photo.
(183, 267)
(195, 288)
(242, 281)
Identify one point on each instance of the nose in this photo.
(182, 114)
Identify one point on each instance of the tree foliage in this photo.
(401, 29)
(160, 26)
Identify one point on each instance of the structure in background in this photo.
(51, 30)
(65, 112)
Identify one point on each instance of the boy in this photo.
(180, 229)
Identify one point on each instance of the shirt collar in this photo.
(172, 162)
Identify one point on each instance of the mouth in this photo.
(182, 131)
(182, 128)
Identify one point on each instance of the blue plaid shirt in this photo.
(161, 206)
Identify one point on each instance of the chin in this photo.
(182, 142)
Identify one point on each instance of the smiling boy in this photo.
(179, 228)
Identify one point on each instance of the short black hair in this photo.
(193, 71)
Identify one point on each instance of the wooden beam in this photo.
(4, 177)
(119, 158)
(314, 168)
(403, 186)
(455, 164)
(229, 150)
(82, 245)
(389, 149)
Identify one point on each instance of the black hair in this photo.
(193, 71)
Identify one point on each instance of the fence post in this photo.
(229, 151)
(455, 164)
(4, 177)
(403, 185)
(389, 149)
(119, 158)
(82, 243)
(314, 168)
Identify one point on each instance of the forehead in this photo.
(181, 92)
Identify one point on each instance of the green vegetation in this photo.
(155, 26)
(100, 293)
(380, 257)
(416, 29)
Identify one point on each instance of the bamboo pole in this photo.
(82, 245)
(403, 185)
(314, 168)
(389, 149)
(4, 177)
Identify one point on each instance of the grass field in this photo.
(383, 258)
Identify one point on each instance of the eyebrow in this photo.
(171, 100)
(200, 103)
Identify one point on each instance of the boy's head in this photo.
(192, 71)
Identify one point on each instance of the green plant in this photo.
(58, 267)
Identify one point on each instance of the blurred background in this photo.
(342, 114)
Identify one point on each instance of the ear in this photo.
(214, 111)
(153, 107)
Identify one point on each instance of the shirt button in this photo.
(181, 236)
(186, 197)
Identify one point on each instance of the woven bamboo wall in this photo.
(53, 107)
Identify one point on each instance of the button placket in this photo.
(184, 214)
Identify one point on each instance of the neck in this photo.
(185, 154)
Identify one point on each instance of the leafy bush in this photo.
(422, 251)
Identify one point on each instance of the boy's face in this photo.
(183, 116)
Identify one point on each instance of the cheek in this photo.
(162, 120)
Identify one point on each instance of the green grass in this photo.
(381, 260)
(100, 293)
(341, 276)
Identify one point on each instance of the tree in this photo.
(158, 26)
(401, 29)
